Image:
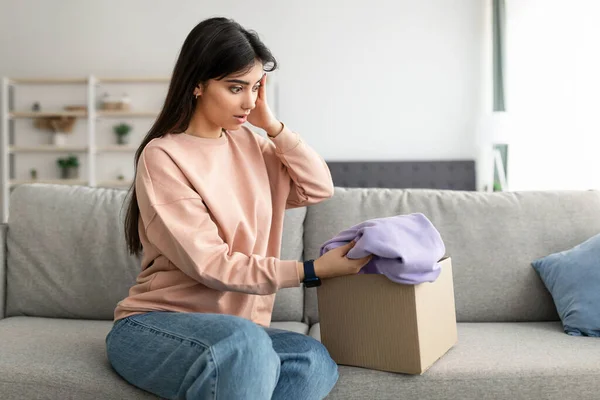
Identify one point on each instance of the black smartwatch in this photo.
(310, 278)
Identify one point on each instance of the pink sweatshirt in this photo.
(211, 221)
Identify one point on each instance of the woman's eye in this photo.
(255, 88)
(235, 89)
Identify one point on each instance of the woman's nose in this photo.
(249, 102)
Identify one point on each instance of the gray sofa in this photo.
(64, 267)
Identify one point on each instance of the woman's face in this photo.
(227, 102)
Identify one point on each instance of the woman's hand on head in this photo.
(261, 116)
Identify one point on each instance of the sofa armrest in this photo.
(3, 230)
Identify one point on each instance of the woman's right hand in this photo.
(335, 263)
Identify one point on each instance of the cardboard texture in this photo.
(369, 321)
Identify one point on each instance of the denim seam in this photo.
(216, 365)
(166, 333)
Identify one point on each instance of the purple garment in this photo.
(405, 248)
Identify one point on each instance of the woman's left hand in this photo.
(261, 116)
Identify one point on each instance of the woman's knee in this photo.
(245, 333)
(233, 357)
(249, 345)
(248, 365)
(321, 365)
(309, 371)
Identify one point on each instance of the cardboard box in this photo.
(369, 321)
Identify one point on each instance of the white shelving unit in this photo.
(92, 115)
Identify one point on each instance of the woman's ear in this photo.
(198, 90)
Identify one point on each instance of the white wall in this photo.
(360, 80)
(553, 90)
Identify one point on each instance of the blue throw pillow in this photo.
(573, 279)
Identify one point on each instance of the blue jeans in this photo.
(215, 356)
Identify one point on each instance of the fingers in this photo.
(359, 263)
(346, 248)
(262, 90)
(364, 260)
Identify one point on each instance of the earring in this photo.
(196, 96)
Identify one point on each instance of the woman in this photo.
(207, 209)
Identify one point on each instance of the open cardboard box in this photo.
(369, 321)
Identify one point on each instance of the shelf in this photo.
(82, 114)
(116, 149)
(47, 148)
(15, 182)
(113, 114)
(115, 183)
(150, 79)
(39, 114)
(69, 81)
(47, 81)
(97, 152)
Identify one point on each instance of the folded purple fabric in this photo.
(405, 248)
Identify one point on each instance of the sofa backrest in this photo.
(67, 258)
(491, 237)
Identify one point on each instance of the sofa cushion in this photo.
(315, 331)
(293, 326)
(289, 302)
(66, 252)
(519, 361)
(48, 358)
(51, 358)
(491, 237)
(573, 278)
(67, 256)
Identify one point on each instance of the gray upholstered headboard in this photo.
(453, 175)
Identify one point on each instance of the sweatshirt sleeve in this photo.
(179, 225)
(310, 176)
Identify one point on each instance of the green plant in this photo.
(122, 129)
(70, 161)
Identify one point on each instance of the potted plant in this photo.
(122, 131)
(60, 126)
(69, 167)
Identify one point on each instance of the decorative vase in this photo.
(59, 139)
(122, 139)
(69, 173)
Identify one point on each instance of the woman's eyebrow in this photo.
(240, 81)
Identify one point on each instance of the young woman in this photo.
(207, 209)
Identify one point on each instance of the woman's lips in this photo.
(241, 118)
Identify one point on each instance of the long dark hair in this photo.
(215, 48)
